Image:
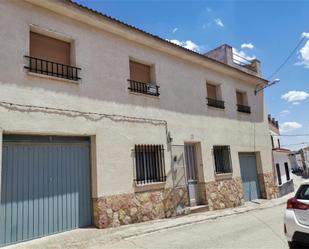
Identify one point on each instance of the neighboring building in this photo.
(104, 124)
(281, 159)
(304, 155)
(296, 161)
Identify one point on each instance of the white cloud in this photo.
(240, 57)
(187, 44)
(305, 34)
(285, 112)
(304, 55)
(289, 126)
(219, 22)
(175, 30)
(295, 103)
(247, 45)
(293, 96)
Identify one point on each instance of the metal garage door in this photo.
(45, 186)
(249, 176)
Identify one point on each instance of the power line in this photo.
(292, 135)
(287, 58)
(303, 143)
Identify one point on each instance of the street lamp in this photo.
(275, 81)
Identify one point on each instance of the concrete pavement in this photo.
(256, 224)
(125, 235)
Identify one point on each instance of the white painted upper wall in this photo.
(104, 60)
(281, 158)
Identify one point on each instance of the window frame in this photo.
(229, 158)
(149, 164)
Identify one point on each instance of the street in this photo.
(255, 229)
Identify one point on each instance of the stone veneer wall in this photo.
(224, 193)
(116, 210)
(268, 186)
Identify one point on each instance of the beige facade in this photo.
(120, 119)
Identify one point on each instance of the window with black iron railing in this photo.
(149, 164)
(144, 88)
(50, 68)
(215, 103)
(244, 109)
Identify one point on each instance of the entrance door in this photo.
(45, 186)
(192, 174)
(249, 176)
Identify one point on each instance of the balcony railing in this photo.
(50, 68)
(244, 108)
(144, 88)
(215, 103)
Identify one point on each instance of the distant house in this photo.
(296, 161)
(281, 159)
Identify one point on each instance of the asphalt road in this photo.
(255, 229)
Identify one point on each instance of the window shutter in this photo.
(139, 72)
(240, 98)
(211, 91)
(50, 49)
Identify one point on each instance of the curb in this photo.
(223, 213)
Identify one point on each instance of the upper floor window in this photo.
(222, 156)
(242, 102)
(141, 79)
(214, 96)
(51, 56)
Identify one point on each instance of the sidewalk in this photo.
(92, 237)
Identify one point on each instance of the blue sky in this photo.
(272, 27)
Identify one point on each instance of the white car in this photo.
(296, 222)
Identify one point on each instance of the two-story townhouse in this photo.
(102, 123)
(281, 159)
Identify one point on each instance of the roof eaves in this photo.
(118, 22)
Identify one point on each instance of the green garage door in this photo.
(249, 176)
(45, 186)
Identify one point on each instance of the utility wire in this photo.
(287, 58)
(292, 135)
(303, 143)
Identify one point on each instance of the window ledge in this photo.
(52, 77)
(149, 186)
(223, 176)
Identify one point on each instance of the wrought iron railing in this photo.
(144, 88)
(149, 164)
(244, 108)
(50, 68)
(215, 103)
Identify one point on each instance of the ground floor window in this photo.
(287, 172)
(222, 157)
(278, 173)
(149, 164)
